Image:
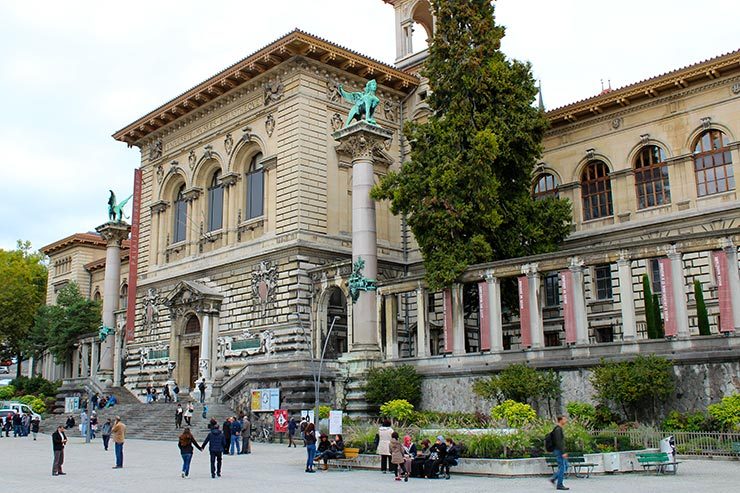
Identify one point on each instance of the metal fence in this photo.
(687, 442)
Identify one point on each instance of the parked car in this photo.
(6, 362)
(4, 369)
(18, 407)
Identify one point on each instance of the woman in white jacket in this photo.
(384, 445)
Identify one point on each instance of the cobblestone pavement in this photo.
(153, 466)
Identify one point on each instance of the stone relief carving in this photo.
(273, 91)
(155, 150)
(735, 88)
(160, 173)
(146, 360)
(266, 344)
(332, 91)
(228, 144)
(264, 284)
(192, 159)
(270, 125)
(616, 123)
(208, 151)
(336, 122)
(247, 136)
(152, 300)
(389, 111)
(359, 147)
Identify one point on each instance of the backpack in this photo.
(549, 443)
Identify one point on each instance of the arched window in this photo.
(96, 296)
(192, 326)
(123, 302)
(180, 216)
(651, 178)
(713, 164)
(215, 202)
(255, 188)
(596, 191)
(545, 186)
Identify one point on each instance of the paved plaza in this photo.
(154, 466)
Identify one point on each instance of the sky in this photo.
(73, 72)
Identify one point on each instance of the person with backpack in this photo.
(202, 390)
(105, 430)
(175, 392)
(555, 443)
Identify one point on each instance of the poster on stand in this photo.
(335, 422)
(281, 421)
(265, 400)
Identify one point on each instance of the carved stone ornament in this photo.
(266, 344)
(359, 147)
(270, 125)
(228, 144)
(155, 150)
(192, 159)
(247, 136)
(160, 173)
(152, 300)
(332, 91)
(389, 111)
(735, 88)
(273, 91)
(336, 122)
(706, 122)
(616, 123)
(644, 139)
(264, 284)
(208, 151)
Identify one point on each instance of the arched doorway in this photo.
(336, 312)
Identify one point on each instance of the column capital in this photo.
(726, 243)
(490, 277)
(362, 140)
(530, 269)
(114, 232)
(624, 259)
(575, 264)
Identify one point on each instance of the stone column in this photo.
(422, 328)
(86, 359)
(679, 293)
(113, 233)
(734, 278)
(204, 363)
(94, 359)
(458, 320)
(579, 302)
(361, 140)
(391, 326)
(76, 362)
(535, 310)
(495, 322)
(627, 299)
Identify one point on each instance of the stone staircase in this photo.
(155, 421)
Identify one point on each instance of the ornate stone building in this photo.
(245, 235)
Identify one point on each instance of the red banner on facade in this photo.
(133, 258)
(281, 420)
(449, 343)
(721, 273)
(670, 328)
(524, 319)
(569, 307)
(485, 314)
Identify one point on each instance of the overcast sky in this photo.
(73, 72)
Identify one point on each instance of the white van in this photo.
(19, 407)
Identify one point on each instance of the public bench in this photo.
(347, 462)
(576, 462)
(658, 461)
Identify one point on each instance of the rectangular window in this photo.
(604, 334)
(430, 303)
(655, 275)
(255, 194)
(552, 289)
(180, 219)
(552, 339)
(603, 282)
(215, 208)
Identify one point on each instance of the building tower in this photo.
(414, 30)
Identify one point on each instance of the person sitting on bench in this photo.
(453, 453)
(335, 450)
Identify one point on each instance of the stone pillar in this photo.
(579, 302)
(361, 140)
(94, 359)
(535, 310)
(86, 359)
(458, 320)
(627, 299)
(734, 279)
(204, 363)
(422, 327)
(679, 294)
(76, 362)
(495, 322)
(391, 326)
(113, 233)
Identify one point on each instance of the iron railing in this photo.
(687, 442)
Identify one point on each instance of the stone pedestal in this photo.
(113, 233)
(362, 140)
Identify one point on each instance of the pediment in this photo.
(195, 295)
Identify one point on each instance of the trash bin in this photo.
(611, 462)
(668, 445)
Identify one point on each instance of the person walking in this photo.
(35, 422)
(166, 392)
(58, 441)
(397, 458)
(310, 437)
(148, 394)
(202, 390)
(119, 435)
(558, 444)
(216, 443)
(175, 392)
(292, 426)
(93, 424)
(383, 439)
(105, 431)
(189, 413)
(178, 416)
(236, 432)
(186, 442)
(246, 435)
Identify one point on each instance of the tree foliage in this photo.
(58, 326)
(727, 412)
(22, 291)
(399, 409)
(466, 190)
(388, 384)
(519, 383)
(635, 386)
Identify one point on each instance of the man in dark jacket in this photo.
(227, 434)
(292, 426)
(558, 443)
(58, 441)
(216, 444)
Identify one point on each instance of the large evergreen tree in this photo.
(466, 189)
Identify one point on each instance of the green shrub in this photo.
(7, 392)
(361, 436)
(583, 412)
(387, 384)
(36, 385)
(516, 414)
(519, 383)
(727, 412)
(324, 412)
(36, 403)
(676, 421)
(453, 420)
(699, 445)
(484, 446)
(400, 409)
(578, 438)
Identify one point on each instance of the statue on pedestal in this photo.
(115, 210)
(364, 103)
(358, 282)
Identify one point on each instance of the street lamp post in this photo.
(317, 374)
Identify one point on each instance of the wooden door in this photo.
(194, 353)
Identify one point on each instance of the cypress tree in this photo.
(466, 189)
(649, 310)
(701, 309)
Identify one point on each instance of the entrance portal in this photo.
(194, 354)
